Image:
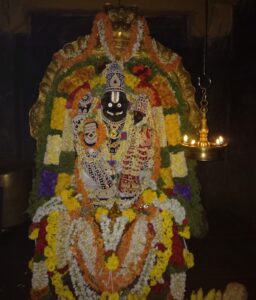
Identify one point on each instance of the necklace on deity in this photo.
(114, 128)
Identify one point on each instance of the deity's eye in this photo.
(119, 104)
(110, 104)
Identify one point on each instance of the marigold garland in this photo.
(63, 182)
(172, 127)
(58, 113)
(53, 149)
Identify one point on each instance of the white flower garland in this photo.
(54, 204)
(40, 278)
(137, 245)
(86, 245)
(62, 242)
(82, 290)
(178, 285)
(112, 238)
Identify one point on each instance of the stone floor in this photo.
(227, 253)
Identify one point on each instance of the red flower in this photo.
(142, 71)
(185, 222)
(40, 245)
(156, 289)
(160, 247)
(177, 249)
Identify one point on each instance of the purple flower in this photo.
(47, 183)
(183, 190)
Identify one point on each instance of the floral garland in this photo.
(90, 251)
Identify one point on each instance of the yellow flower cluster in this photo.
(172, 127)
(189, 258)
(61, 290)
(63, 182)
(163, 256)
(109, 296)
(166, 175)
(149, 196)
(129, 213)
(53, 148)
(178, 164)
(112, 262)
(58, 113)
(50, 250)
(130, 80)
(162, 197)
(185, 232)
(97, 81)
(34, 234)
(70, 202)
(77, 79)
(99, 212)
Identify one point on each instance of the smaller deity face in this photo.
(90, 133)
(115, 105)
(84, 104)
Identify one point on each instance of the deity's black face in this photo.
(115, 105)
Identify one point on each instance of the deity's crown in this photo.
(115, 78)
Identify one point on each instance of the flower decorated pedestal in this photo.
(114, 198)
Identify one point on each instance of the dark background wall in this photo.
(227, 186)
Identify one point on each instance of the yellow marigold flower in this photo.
(112, 262)
(178, 164)
(48, 252)
(162, 197)
(113, 296)
(53, 148)
(63, 182)
(149, 196)
(129, 213)
(146, 289)
(49, 237)
(131, 80)
(166, 175)
(34, 234)
(109, 296)
(132, 296)
(99, 212)
(66, 194)
(50, 228)
(50, 264)
(58, 113)
(56, 278)
(172, 127)
(185, 232)
(71, 204)
(189, 258)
